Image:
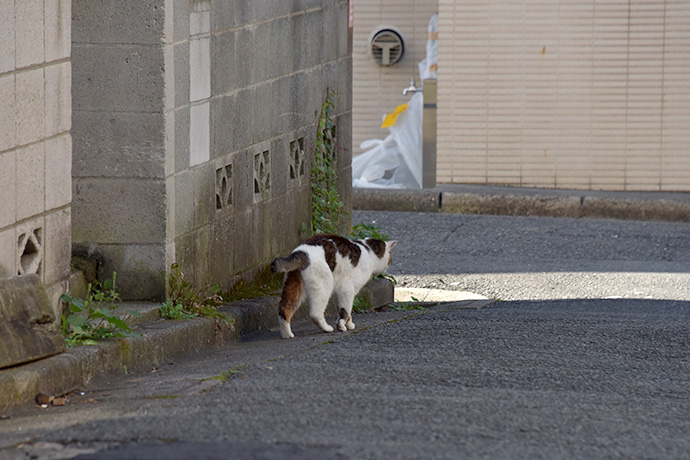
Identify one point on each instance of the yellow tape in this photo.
(391, 117)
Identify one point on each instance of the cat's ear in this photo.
(391, 244)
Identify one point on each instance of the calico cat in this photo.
(324, 265)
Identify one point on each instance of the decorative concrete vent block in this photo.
(30, 252)
(262, 175)
(297, 159)
(223, 187)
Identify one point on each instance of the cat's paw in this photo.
(285, 329)
(321, 323)
(341, 325)
(350, 325)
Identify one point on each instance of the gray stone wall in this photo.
(119, 140)
(35, 142)
(194, 128)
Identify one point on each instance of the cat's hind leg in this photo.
(318, 301)
(345, 299)
(290, 300)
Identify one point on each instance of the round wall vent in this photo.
(387, 47)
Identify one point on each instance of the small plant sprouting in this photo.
(186, 302)
(327, 214)
(172, 310)
(361, 305)
(362, 231)
(265, 283)
(86, 321)
(407, 306)
(399, 306)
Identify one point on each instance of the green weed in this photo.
(327, 213)
(362, 231)
(86, 321)
(174, 310)
(265, 283)
(185, 301)
(406, 306)
(361, 305)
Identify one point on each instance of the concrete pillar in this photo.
(119, 141)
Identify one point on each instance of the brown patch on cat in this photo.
(292, 293)
(348, 248)
(317, 239)
(331, 243)
(342, 314)
(378, 246)
(298, 260)
(329, 251)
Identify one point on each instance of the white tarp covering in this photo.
(428, 67)
(396, 161)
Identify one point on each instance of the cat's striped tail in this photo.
(298, 260)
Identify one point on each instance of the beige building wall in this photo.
(35, 141)
(568, 94)
(377, 90)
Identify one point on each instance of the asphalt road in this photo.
(579, 361)
(536, 258)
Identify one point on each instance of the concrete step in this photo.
(155, 341)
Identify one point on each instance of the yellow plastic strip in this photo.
(391, 117)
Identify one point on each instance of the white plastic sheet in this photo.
(428, 67)
(396, 161)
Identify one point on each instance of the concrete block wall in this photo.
(35, 141)
(248, 81)
(194, 125)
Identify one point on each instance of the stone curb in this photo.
(159, 340)
(671, 207)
